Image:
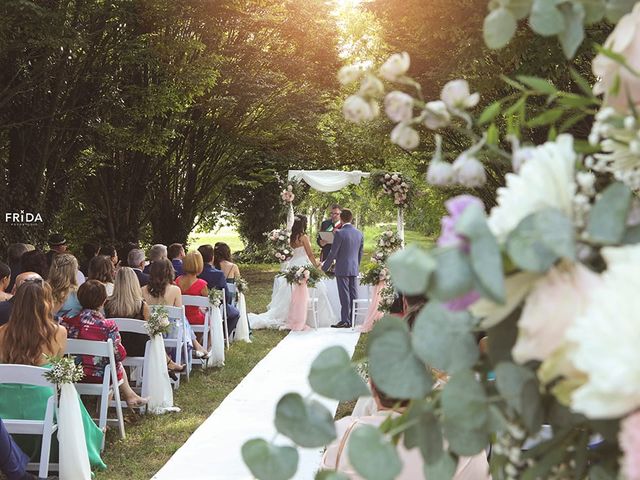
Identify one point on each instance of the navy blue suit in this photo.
(5, 310)
(143, 278)
(177, 266)
(346, 250)
(216, 279)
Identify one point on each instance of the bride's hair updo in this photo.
(298, 229)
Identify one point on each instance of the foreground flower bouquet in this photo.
(550, 275)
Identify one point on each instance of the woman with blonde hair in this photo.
(28, 338)
(127, 302)
(64, 285)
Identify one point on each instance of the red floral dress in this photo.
(91, 325)
(194, 314)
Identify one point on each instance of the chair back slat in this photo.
(130, 325)
(95, 348)
(24, 375)
(195, 301)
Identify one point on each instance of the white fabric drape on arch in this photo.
(327, 180)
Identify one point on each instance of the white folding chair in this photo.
(223, 311)
(312, 306)
(137, 365)
(28, 375)
(206, 327)
(177, 339)
(110, 383)
(359, 309)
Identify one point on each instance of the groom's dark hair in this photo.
(346, 216)
(334, 206)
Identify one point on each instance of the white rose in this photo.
(405, 136)
(436, 115)
(349, 74)
(286, 252)
(455, 94)
(520, 156)
(395, 66)
(624, 40)
(394, 176)
(398, 106)
(469, 171)
(387, 176)
(440, 173)
(356, 109)
(371, 86)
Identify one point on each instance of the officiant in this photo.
(329, 225)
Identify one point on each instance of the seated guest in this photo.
(89, 250)
(5, 279)
(216, 279)
(190, 284)
(110, 252)
(14, 255)
(123, 253)
(30, 334)
(335, 457)
(161, 291)
(157, 252)
(13, 461)
(222, 261)
(135, 260)
(101, 268)
(127, 302)
(57, 245)
(175, 253)
(64, 285)
(35, 261)
(7, 306)
(90, 324)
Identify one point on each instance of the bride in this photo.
(276, 315)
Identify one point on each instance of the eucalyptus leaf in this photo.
(608, 216)
(502, 337)
(582, 82)
(269, 462)
(545, 18)
(493, 135)
(444, 339)
(465, 441)
(453, 276)
(464, 402)
(307, 422)
(333, 376)
(520, 8)
(411, 269)
(443, 469)
(617, 8)
(632, 235)
(519, 387)
(426, 433)
(540, 239)
(594, 10)
(486, 259)
(393, 365)
(573, 34)
(371, 455)
(499, 27)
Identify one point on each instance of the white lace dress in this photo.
(276, 315)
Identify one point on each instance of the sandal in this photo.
(138, 402)
(175, 367)
(201, 355)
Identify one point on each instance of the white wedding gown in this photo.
(276, 315)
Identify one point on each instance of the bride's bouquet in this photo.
(279, 240)
(300, 275)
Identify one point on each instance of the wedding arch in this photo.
(331, 181)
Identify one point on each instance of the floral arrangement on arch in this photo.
(374, 275)
(387, 243)
(158, 323)
(550, 274)
(279, 240)
(287, 195)
(388, 297)
(395, 185)
(307, 274)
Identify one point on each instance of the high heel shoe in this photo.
(172, 375)
(174, 367)
(201, 355)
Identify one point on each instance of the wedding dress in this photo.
(276, 315)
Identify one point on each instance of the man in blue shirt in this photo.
(216, 279)
(175, 253)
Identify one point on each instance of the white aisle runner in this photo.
(213, 451)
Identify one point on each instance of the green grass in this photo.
(227, 235)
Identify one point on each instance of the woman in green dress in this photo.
(29, 335)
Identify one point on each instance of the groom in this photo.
(346, 250)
